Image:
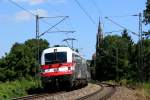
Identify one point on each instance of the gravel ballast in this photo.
(75, 94)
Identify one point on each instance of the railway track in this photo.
(103, 93)
(30, 97)
(36, 96)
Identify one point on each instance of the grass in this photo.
(9, 90)
(146, 87)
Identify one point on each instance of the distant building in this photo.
(99, 37)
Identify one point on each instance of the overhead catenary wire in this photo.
(16, 4)
(19, 6)
(127, 15)
(53, 26)
(96, 6)
(99, 12)
(85, 12)
(113, 31)
(51, 6)
(60, 12)
(50, 25)
(55, 17)
(122, 16)
(121, 26)
(58, 30)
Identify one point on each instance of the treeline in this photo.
(118, 57)
(21, 61)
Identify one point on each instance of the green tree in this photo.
(33, 45)
(147, 17)
(21, 61)
(106, 59)
(146, 57)
(144, 69)
(147, 13)
(116, 58)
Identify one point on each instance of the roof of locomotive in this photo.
(61, 49)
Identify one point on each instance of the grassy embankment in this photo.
(142, 89)
(16, 88)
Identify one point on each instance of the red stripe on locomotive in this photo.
(56, 65)
(56, 71)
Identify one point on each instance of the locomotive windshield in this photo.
(56, 57)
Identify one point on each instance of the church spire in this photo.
(100, 31)
(99, 34)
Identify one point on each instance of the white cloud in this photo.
(36, 2)
(40, 12)
(26, 16)
(32, 2)
(57, 1)
(23, 16)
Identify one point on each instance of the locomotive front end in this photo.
(57, 66)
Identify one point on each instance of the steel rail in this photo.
(30, 97)
(96, 94)
(92, 94)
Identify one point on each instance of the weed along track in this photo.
(90, 92)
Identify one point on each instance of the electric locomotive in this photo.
(62, 66)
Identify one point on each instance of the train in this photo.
(62, 66)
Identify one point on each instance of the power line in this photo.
(70, 39)
(50, 25)
(113, 31)
(53, 26)
(97, 8)
(121, 16)
(51, 6)
(55, 17)
(86, 13)
(121, 26)
(69, 24)
(58, 30)
(16, 4)
(58, 11)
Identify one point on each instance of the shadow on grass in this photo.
(39, 90)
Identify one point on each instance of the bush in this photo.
(146, 87)
(16, 88)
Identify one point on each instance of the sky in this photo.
(18, 25)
